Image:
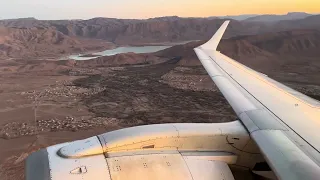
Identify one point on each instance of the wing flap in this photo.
(287, 160)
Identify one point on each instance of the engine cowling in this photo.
(174, 151)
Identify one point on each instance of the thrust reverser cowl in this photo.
(181, 137)
(204, 137)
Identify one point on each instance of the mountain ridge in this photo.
(274, 17)
(122, 32)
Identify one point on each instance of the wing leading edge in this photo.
(284, 126)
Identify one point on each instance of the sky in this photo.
(141, 9)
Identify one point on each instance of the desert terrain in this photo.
(46, 98)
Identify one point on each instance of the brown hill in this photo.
(262, 52)
(122, 59)
(273, 17)
(311, 22)
(32, 38)
(260, 27)
(288, 41)
(36, 42)
(294, 53)
(238, 49)
(130, 31)
(21, 66)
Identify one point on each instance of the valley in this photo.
(46, 98)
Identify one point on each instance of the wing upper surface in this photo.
(263, 104)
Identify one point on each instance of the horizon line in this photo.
(159, 16)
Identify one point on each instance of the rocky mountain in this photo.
(36, 38)
(122, 59)
(257, 51)
(310, 22)
(263, 51)
(163, 29)
(235, 17)
(294, 53)
(273, 18)
(35, 42)
(32, 37)
(295, 42)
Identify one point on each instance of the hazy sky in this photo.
(85, 9)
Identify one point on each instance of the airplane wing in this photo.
(284, 123)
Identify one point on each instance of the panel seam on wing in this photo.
(186, 165)
(238, 66)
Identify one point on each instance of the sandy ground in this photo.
(41, 108)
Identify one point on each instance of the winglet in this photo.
(212, 44)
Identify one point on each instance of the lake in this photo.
(126, 49)
(120, 50)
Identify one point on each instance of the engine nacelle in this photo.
(174, 151)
